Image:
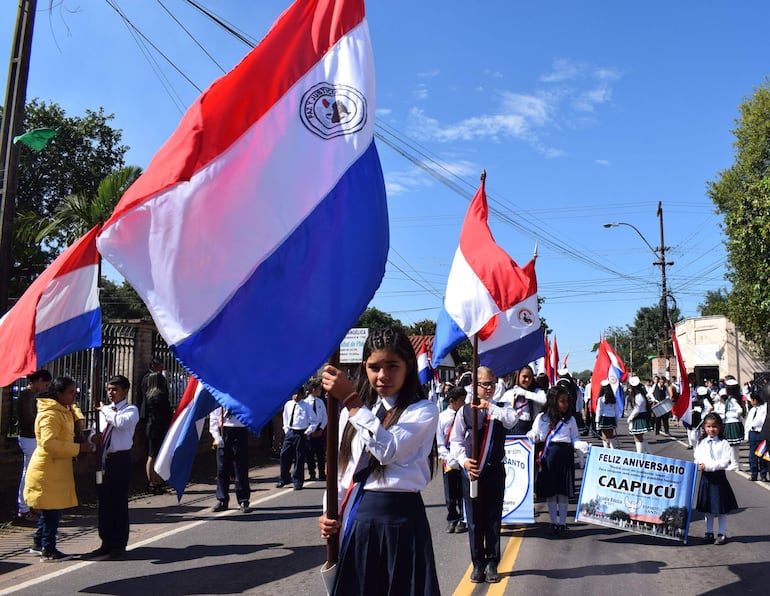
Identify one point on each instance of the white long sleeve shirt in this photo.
(123, 418)
(714, 454)
(446, 421)
(461, 440)
(755, 420)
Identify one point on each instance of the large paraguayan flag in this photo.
(177, 453)
(58, 314)
(259, 231)
(490, 295)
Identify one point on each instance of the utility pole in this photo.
(13, 121)
(664, 292)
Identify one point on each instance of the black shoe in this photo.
(312, 477)
(322, 477)
(37, 547)
(708, 538)
(554, 530)
(763, 478)
(477, 575)
(244, 507)
(450, 529)
(753, 478)
(491, 573)
(54, 555)
(461, 527)
(116, 554)
(220, 506)
(100, 554)
(297, 487)
(721, 539)
(280, 484)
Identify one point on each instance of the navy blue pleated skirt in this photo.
(389, 549)
(715, 495)
(557, 471)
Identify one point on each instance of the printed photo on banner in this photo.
(518, 504)
(639, 493)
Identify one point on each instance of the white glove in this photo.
(220, 442)
(531, 436)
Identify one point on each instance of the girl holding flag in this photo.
(557, 429)
(386, 457)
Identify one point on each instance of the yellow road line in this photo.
(507, 561)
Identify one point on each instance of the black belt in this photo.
(298, 430)
(114, 453)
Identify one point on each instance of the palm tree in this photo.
(78, 212)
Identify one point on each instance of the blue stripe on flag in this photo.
(79, 333)
(509, 357)
(448, 336)
(187, 447)
(299, 303)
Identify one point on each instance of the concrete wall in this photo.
(714, 341)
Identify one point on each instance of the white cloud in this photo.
(383, 112)
(602, 162)
(567, 97)
(420, 92)
(430, 74)
(414, 178)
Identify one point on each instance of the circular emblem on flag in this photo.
(331, 111)
(525, 317)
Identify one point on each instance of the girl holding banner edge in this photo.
(715, 495)
(386, 457)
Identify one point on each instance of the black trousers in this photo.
(453, 495)
(233, 458)
(316, 455)
(294, 450)
(485, 514)
(113, 500)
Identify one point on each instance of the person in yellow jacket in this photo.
(50, 480)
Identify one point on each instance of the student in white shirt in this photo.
(557, 429)
(715, 496)
(386, 457)
(753, 429)
(118, 421)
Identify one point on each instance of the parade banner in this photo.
(636, 492)
(518, 505)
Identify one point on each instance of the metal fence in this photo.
(91, 369)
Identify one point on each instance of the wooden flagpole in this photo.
(332, 436)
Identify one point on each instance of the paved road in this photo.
(185, 549)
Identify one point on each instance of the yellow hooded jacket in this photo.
(50, 479)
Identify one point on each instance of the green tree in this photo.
(374, 318)
(424, 327)
(715, 302)
(120, 301)
(741, 194)
(84, 151)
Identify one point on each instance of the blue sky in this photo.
(581, 113)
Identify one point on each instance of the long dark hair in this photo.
(552, 405)
(608, 394)
(714, 417)
(412, 391)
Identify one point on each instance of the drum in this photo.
(663, 408)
